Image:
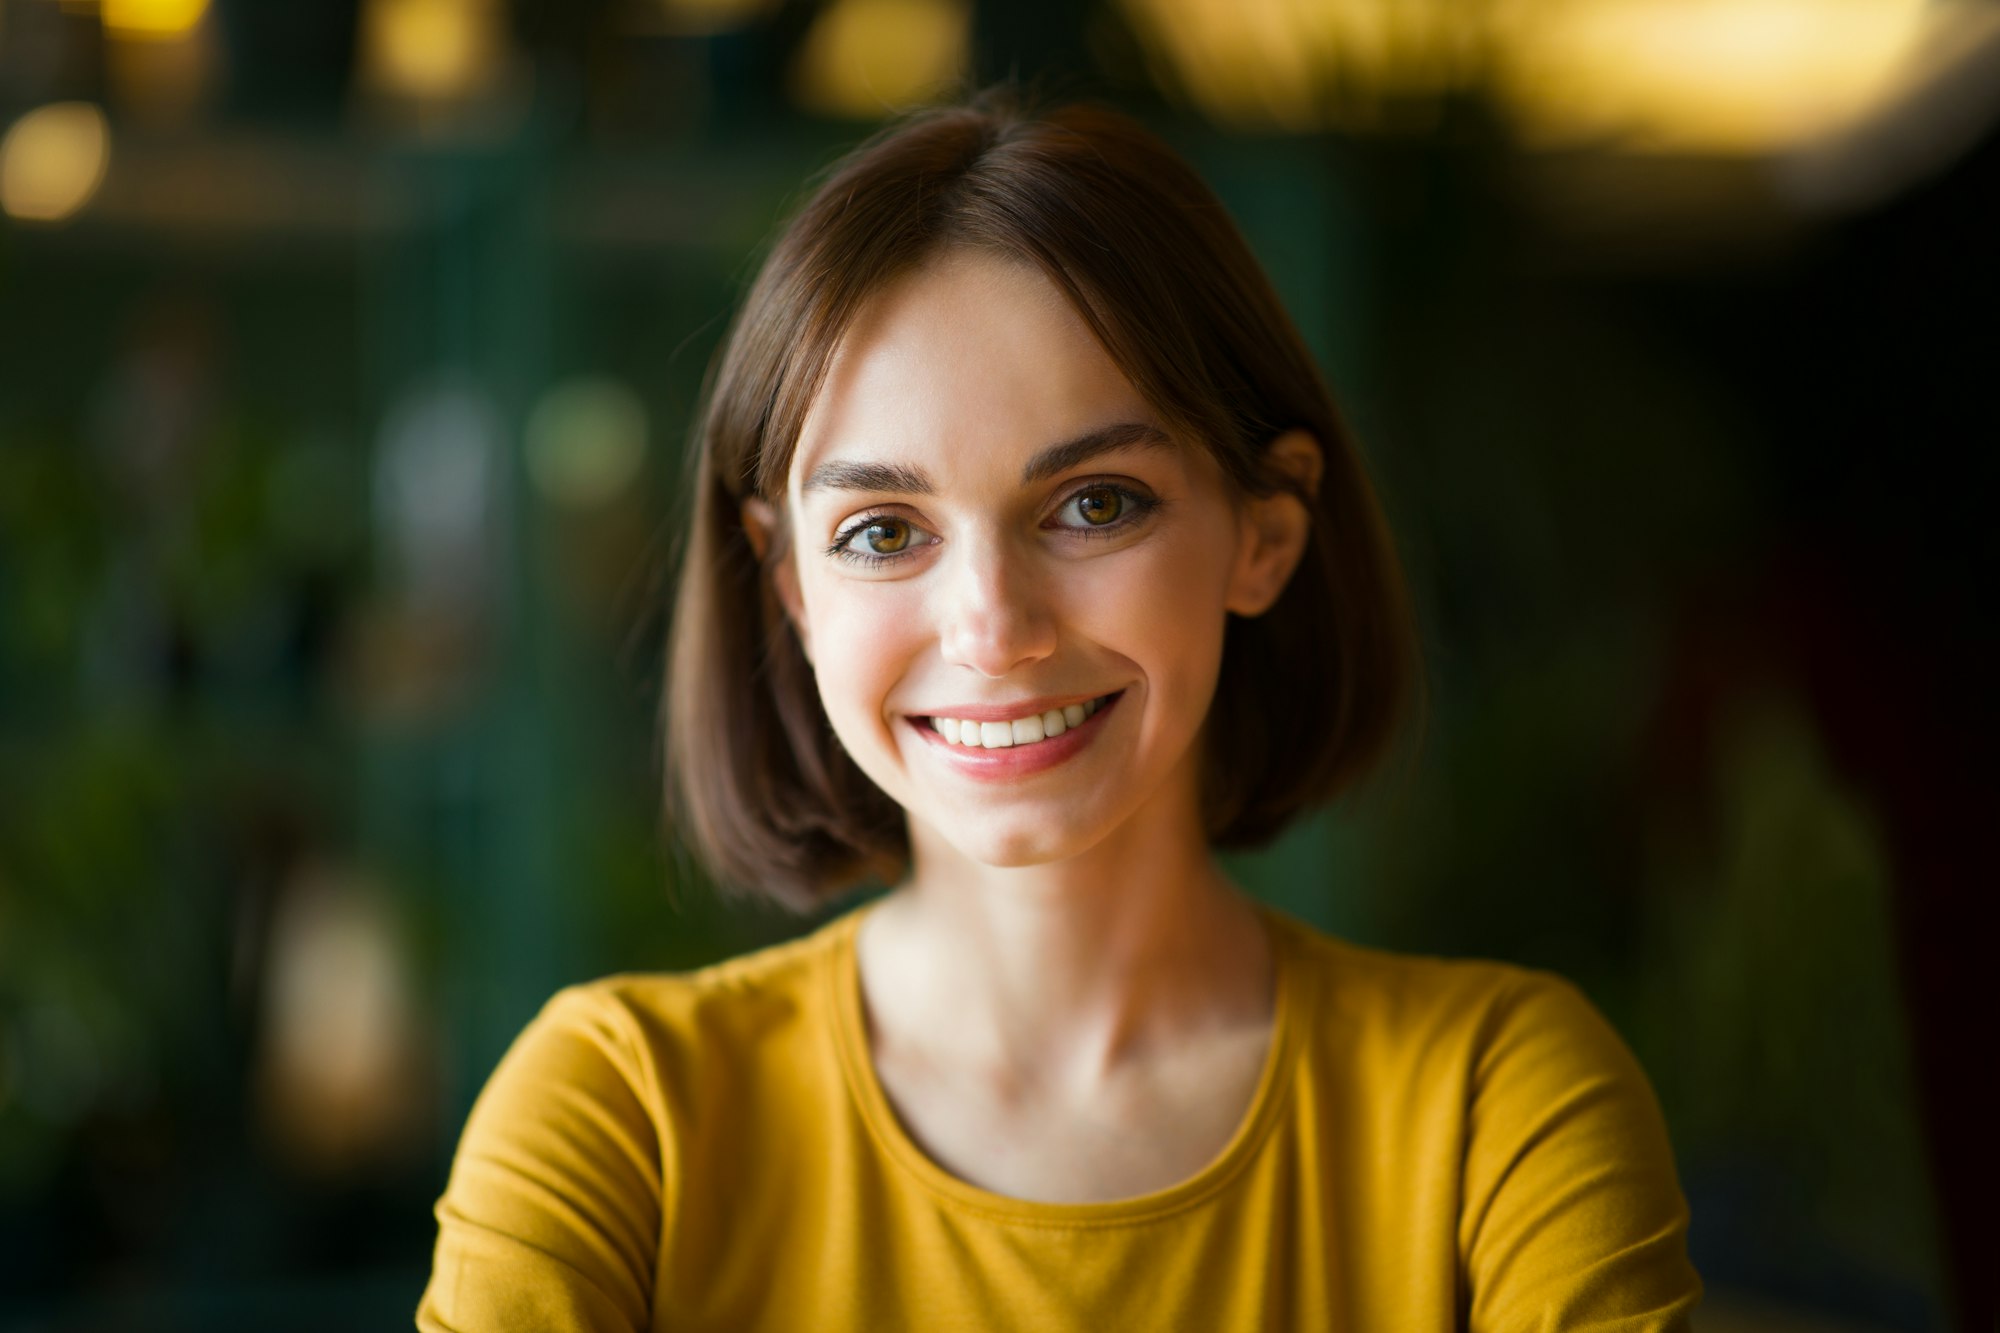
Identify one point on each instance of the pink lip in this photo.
(1018, 760)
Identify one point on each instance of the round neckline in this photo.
(843, 974)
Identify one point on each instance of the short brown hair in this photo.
(1311, 693)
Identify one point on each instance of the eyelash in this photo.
(1138, 507)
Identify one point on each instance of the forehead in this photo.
(970, 358)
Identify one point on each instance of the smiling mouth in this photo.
(1029, 729)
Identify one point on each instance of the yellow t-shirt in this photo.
(1433, 1145)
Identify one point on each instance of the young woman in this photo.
(1030, 564)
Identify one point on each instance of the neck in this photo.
(1072, 971)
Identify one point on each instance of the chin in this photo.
(1012, 847)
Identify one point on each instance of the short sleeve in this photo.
(1573, 1214)
(551, 1217)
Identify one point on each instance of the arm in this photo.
(1573, 1216)
(551, 1218)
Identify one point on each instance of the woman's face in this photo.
(990, 525)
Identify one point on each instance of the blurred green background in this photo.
(347, 349)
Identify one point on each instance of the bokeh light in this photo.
(1702, 76)
(432, 49)
(1718, 76)
(585, 441)
(340, 1080)
(866, 58)
(1301, 65)
(158, 20)
(53, 160)
(437, 474)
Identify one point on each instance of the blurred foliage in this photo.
(1773, 1012)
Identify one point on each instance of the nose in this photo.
(995, 615)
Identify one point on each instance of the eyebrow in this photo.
(1050, 462)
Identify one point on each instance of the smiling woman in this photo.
(1030, 564)
(996, 579)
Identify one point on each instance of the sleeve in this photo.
(551, 1217)
(1573, 1214)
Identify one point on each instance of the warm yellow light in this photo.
(53, 160)
(1724, 76)
(1305, 64)
(866, 58)
(158, 20)
(434, 49)
(1728, 76)
(339, 1074)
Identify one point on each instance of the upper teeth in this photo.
(1020, 731)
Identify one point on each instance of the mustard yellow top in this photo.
(1433, 1145)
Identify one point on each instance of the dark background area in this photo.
(340, 434)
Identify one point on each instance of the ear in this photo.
(765, 527)
(1275, 527)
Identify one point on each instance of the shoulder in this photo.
(631, 1068)
(1477, 1003)
(776, 976)
(595, 1122)
(745, 995)
(1503, 1042)
(1570, 1205)
(718, 1024)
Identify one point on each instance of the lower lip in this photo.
(1016, 761)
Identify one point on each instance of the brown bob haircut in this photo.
(1311, 694)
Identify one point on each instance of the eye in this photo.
(1103, 508)
(876, 539)
(1099, 505)
(885, 536)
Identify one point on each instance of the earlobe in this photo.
(1275, 527)
(763, 525)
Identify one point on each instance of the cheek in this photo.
(1163, 608)
(1193, 618)
(863, 636)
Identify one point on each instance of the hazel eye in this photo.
(1104, 509)
(885, 536)
(878, 539)
(1099, 505)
